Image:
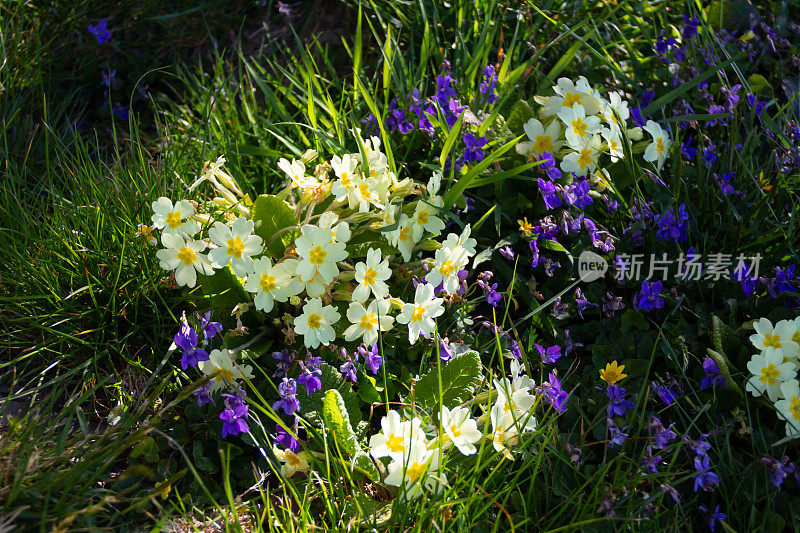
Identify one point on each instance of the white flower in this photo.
(402, 237)
(344, 168)
(291, 462)
(372, 276)
(396, 436)
(184, 257)
(386, 216)
(780, 336)
(341, 231)
(614, 142)
(541, 139)
(512, 412)
(448, 262)
(368, 321)
(296, 170)
(365, 193)
(315, 323)
(172, 219)
(237, 245)
(463, 241)
(579, 126)
(600, 179)
(461, 428)
(616, 104)
(434, 183)
(318, 253)
(584, 159)
(789, 408)
(272, 283)
(419, 469)
(659, 149)
(225, 370)
(769, 372)
(570, 94)
(426, 217)
(420, 314)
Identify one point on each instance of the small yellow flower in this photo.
(612, 373)
(525, 226)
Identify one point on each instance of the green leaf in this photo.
(520, 113)
(224, 289)
(334, 413)
(724, 368)
(360, 244)
(202, 462)
(459, 378)
(362, 462)
(725, 342)
(271, 215)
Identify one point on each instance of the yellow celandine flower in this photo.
(612, 373)
(525, 226)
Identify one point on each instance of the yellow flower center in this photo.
(405, 233)
(346, 180)
(364, 190)
(543, 143)
(612, 145)
(415, 471)
(769, 374)
(796, 337)
(225, 374)
(422, 217)
(579, 126)
(418, 313)
(368, 321)
(571, 99)
(394, 443)
(447, 268)
(267, 282)
(660, 145)
(317, 256)
(314, 321)
(369, 276)
(235, 247)
(772, 340)
(454, 430)
(585, 159)
(794, 408)
(173, 219)
(186, 255)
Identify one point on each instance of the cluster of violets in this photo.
(427, 113)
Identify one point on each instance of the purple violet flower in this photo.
(288, 402)
(235, 414)
(713, 377)
(473, 152)
(617, 405)
(100, 31)
(549, 354)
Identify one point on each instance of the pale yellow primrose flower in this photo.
(769, 373)
(789, 407)
(372, 276)
(396, 436)
(172, 219)
(221, 364)
(579, 126)
(236, 245)
(272, 283)
(366, 322)
(315, 323)
(540, 139)
(461, 429)
(418, 470)
(419, 315)
(184, 257)
(318, 253)
(780, 336)
(291, 462)
(659, 149)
